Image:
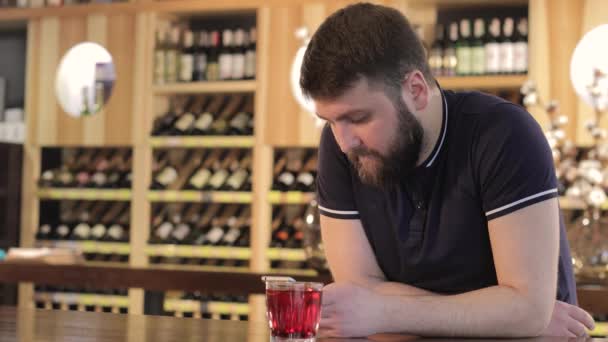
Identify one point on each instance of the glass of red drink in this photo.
(293, 310)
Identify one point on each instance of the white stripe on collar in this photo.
(445, 129)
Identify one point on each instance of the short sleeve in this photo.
(334, 180)
(513, 161)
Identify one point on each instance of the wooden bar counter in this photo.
(28, 325)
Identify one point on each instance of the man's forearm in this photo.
(491, 312)
(399, 289)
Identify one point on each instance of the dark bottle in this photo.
(239, 124)
(450, 59)
(250, 55)
(200, 57)
(202, 125)
(463, 49)
(436, 53)
(305, 180)
(492, 48)
(213, 57)
(220, 125)
(478, 52)
(186, 64)
(225, 57)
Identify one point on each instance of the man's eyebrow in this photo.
(344, 115)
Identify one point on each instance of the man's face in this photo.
(378, 133)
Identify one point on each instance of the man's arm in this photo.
(521, 305)
(352, 260)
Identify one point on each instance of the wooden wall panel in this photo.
(120, 116)
(70, 130)
(113, 125)
(564, 32)
(595, 13)
(46, 116)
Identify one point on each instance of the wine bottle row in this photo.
(202, 170)
(295, 169)
(184, 55)
(85, 221)
(80, 299)
(207, 306)
(296, 227)
(202, 115)
(86, 168)
(201, 224)
(480, 47)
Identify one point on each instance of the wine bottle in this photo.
(182, 234)
(234, 227)
(507, 50)
(82, 167)
(70, 218)
(436, 53)
(99, 177)
(238, 55)
(186, 65)
(202, 229)
(239, 176)
(250, 55)
(221, 172)
(82, 231)
(169, 173)
(183, 125)
(162, 232)
(450, 59)
(463, 49)
(286, 180)
(492, 47)
(281, 235)
(186, 171)
(163, 124)
(520, 47)
(160, 56)
(478, 56)
(202, 125)
(100, 230)
(118, 228)
(239, 124)
(306, 178)
(213, 57)
(217, 231)
(200, 57)
(220, 125)
(200, 178)
(225, 57)
(172, 53)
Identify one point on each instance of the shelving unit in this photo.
(84, 194)
(211, 141)
(128, 31)
(206, 87)
(490, 82)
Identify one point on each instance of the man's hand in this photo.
(349, 310)
(568, 321)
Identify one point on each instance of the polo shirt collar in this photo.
(439, 144)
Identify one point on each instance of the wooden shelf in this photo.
(83, 299)
(205, 87)
(12, 14)
(483, 82)
(287, 254)
(202, 252)
(198, 196)
(290, 197)
(207, 141)
(84, 194)
(567, 203)
(212, 307)
(92, 247)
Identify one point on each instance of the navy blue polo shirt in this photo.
(431, 231)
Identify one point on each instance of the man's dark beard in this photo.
(402, 155)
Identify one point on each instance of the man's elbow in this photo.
(535, 317)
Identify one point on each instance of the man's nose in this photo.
(346, 138)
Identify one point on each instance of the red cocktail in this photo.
(293, 309)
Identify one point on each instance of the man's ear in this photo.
(416, 90)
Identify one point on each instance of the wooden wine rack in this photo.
(127, 31)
